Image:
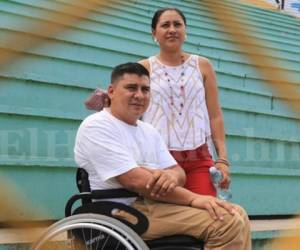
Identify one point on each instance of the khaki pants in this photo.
(233, 233)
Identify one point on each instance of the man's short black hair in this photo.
(128, 68)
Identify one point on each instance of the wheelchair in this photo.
(94, 226)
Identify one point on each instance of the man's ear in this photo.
(110, 90)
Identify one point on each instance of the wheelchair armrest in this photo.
(112, 193)
(138, 222)
(107, 207)
(97, 195)
(73, 199)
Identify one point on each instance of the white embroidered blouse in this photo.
(178, 108)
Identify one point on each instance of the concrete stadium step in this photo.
(275, 224)
(16, 239)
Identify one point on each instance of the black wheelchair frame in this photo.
(93, 223)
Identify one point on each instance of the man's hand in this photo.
(226, 175)
(214, 206)
(161, 182)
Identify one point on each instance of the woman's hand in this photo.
(225, 183)
(97, 100)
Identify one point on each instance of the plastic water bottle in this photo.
(216, 178)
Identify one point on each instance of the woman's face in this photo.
(170, 30)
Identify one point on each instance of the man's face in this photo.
(130, 96)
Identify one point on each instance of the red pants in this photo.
(196, 164)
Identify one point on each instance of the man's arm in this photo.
(179, 173)
(136, 178)
(169, 174)
(165, 180)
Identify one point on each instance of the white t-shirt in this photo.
(107, 147)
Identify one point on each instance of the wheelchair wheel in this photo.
(177, 248)
(89, 231)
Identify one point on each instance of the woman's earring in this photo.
(155, 40)
(185, 36)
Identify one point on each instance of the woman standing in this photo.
(184, 103)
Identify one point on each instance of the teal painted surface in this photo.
(44, 190)
(42, 94)
(272, 192)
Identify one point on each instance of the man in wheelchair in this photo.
(120, 151)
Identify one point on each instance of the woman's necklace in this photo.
(171, 85)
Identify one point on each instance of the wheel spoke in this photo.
(96, 231)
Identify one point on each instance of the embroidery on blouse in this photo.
(178, 109)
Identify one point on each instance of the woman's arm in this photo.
(216, 117)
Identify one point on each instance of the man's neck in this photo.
(132, 122)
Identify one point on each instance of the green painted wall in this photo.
(42, 94)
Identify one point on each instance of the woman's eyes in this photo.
(166, 25)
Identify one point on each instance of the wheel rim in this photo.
(100, 228)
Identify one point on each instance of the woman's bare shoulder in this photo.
(204, 61)
(145, 63)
